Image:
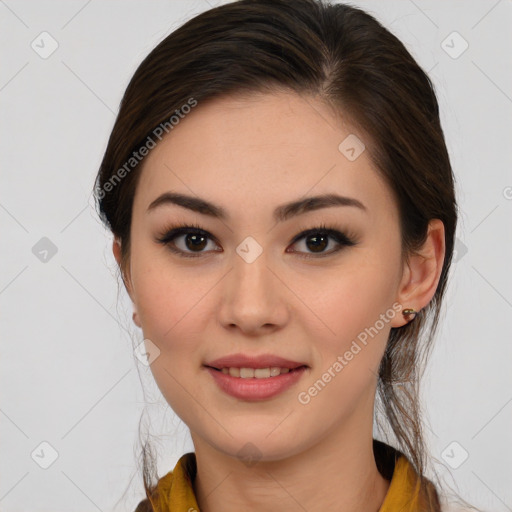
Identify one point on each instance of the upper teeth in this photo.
(258, 373)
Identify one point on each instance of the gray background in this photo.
(69, 377)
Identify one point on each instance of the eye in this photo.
(318, 238)
(193, 238)
(189, 241)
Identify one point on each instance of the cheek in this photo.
(357, 306)
(358, 309)
(354, 299)
(169, 298)
(173, 318)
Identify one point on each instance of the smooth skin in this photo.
(249, 155)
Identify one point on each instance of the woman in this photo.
(283, 212)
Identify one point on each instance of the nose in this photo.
(254, 298)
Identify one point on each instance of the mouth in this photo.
(263, 366)
(256, 373)
(255, 378)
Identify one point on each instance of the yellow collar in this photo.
(175, 490)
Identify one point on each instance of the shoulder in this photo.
(144, 506)
(173, 487)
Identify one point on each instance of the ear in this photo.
(421, 273)
(116, 249)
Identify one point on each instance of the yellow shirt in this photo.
(175, 492)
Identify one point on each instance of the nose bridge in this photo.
(252, 296)
(250, 269)
(251, 279)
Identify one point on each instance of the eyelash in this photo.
(172, 232)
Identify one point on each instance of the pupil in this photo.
(195, 241)
(318, 245)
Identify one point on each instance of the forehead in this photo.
(262, 149)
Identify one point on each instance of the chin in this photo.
(253, 447)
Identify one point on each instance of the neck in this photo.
(318, 479)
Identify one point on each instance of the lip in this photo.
(261, 361)
(254, 389)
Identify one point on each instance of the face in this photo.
(244, 279)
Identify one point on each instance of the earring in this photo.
(407, 312)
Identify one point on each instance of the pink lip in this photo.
(256, 389)
(252, 388)
(262, 361)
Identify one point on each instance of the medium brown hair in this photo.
(346, 58)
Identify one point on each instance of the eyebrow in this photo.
(281, 213)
